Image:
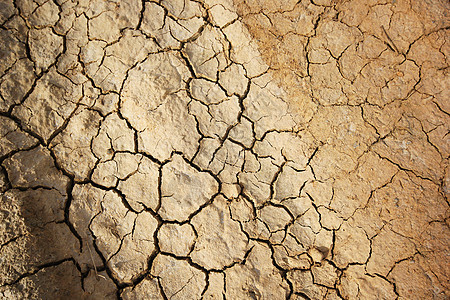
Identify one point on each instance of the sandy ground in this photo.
(222, 149)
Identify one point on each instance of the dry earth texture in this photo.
(261, 149)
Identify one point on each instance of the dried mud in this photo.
(187, 149)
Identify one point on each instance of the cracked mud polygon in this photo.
(220, 149)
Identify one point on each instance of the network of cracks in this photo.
(184, 149)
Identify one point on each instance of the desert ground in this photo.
(224, 149)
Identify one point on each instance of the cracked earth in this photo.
(211, 149)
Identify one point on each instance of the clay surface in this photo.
(224, 149)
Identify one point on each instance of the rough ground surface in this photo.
(260, 149)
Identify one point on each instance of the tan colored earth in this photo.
(219, 149)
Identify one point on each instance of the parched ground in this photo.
(261, 149)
